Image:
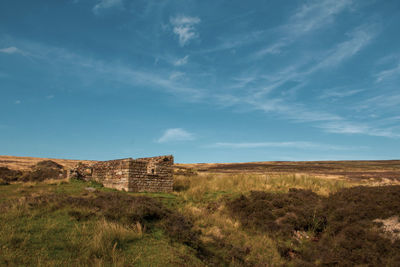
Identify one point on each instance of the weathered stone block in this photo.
(136, 175)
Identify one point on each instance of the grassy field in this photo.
(211, 219)
(353, 170)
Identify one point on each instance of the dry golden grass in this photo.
(24, 163)
(109, 237)
(195, 187)
(354, 170)
(221, 231)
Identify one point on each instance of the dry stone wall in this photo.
(112, 173)
(152, 174)
(136, 175)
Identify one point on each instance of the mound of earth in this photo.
(44, 170)
(7, 175)
(41, 171)
(47, 164)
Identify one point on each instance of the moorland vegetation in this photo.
(213, 219)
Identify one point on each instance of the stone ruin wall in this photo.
(112, 173)
(151, 174)
(136, 175)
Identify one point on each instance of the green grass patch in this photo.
(209, 220)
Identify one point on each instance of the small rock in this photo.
(90, 189)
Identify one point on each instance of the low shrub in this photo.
(185, 172)
(278, 213)
(341, 227)
(43, 170)
(351, 236)
(3, 182)
(7, 175)
(181, 229)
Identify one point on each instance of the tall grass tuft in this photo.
(195, 187)
(110, 236)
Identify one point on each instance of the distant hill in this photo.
(24, 163)
(363, 169)
(353, 169)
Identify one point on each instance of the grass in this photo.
(62, 224)
(197, 187)
(209, 220)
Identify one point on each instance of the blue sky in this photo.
(206, 81)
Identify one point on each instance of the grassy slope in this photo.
(38, 230)
(42, 235)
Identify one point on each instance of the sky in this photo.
(206, 81)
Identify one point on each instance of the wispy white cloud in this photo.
(359, 38)
(226, 100)
(236, 41)
(293, 144)
(260, 96)
(383, 101)
(327, 121)
(272, 49)
(175, 134)
(292, 111)
(310, 17)
(11, 50)
(302, 72)
(388, 74)
(17, 102)
(346, 127)
(182, 61)
(105, 4)
(184, 27)
(244, 80)
(315, 15)
(90, 69)
(176, 75)
(339, 93)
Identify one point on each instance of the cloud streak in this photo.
(181, 61)
(359, 38)
(388, 74)
(265, 98)
(340, 94)
(346, 127)
(308, 18)
(106, 4)
(90, 69)
(12, 50)
(175, 135)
